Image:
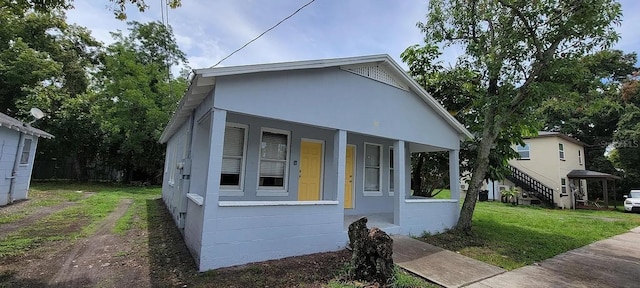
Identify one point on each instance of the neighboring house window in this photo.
(233, 156)
(561, 150)
(580, 157)
(26, 152)
(372, 153)
(391, 183)
(524, 151)
(274, 150)
(563, 185)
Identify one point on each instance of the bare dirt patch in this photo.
(101, 260)
(89, 260)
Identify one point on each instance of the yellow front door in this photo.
(310, 171)
(348, 175)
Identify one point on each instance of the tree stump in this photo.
(372, 253)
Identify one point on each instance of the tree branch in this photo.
(527, 25)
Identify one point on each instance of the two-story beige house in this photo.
(543, 171)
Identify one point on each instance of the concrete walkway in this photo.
(613, 262)
(443, 267)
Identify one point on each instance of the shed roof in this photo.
(588, 174)
(204, 80)
(17, 125)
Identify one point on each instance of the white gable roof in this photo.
(390, 73)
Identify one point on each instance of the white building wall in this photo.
(10, 148)
(354, 103)
(245, 234)
(428, 215)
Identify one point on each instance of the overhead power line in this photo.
(265, 32)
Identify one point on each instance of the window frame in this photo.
(364, 168)
(269, 190)
(391, 172)
(22, 151)
(561, 154)
(527, 145)
(563, 185)
(173, 163)
(580, 157)
(236, 190)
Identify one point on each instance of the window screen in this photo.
(372, 168)
(233, 156)
(273, 159)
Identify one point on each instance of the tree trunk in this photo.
(80, 168)
(489, 134)
(416, 181)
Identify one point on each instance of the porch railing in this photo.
(531, 185)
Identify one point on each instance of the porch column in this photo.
(454, 174)
(216, 144)
(339, 160)
(606, 193)
(399, 176)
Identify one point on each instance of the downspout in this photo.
(14, 172)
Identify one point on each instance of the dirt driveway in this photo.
(102, 259)
(49, 247)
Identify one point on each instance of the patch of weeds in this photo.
(403, 279)
(125, 223)
(9, 218)
(122, 254)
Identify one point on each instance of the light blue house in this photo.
(276, 160)
(18, 143)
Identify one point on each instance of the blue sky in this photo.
(209, 30)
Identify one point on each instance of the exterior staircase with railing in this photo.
(532, 186)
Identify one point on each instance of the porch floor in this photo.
(384, 221)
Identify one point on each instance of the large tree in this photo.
(457, 89)
(515, 46)
(627, 135)
(591, 107)
(137, 94)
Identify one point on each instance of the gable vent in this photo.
(376, 73)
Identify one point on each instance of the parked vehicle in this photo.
(632, 201)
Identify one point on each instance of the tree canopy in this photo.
(518, 49)
(105, 105)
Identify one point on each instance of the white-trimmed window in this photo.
(391, 178)
(579, 157)
(274, 164)
(524, 151)
(561, 151)
(563, 185)
(173, 162)
(26, 151)
(372, 175)
(233, 159)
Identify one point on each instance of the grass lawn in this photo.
(514, 236)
